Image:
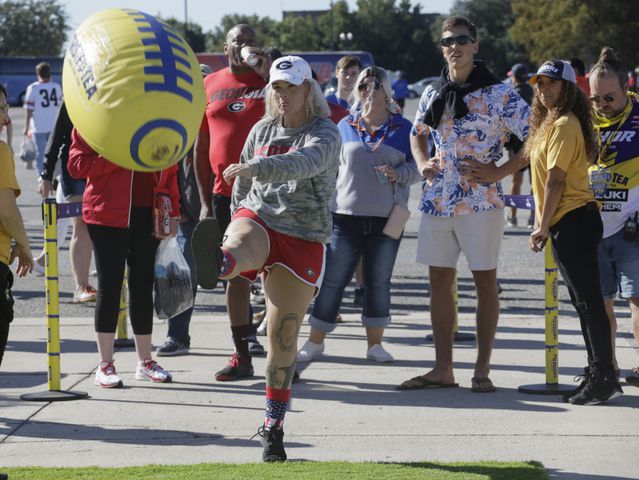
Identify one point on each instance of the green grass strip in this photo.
(295, 470)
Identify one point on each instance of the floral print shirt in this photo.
(494, 114)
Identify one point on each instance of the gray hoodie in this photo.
(294, 172)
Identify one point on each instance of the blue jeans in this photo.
(41, 140)
(179, 325)
(352, 238)
(619, 266)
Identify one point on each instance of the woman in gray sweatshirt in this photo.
(283, 187)
(375, 173)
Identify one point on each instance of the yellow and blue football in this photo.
(133, 89)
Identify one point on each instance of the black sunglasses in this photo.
(606, 98)
(366, 86)
(459, 40)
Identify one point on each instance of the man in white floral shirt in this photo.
(468, 116)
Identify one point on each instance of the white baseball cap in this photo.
(555, 69)
(291, 69)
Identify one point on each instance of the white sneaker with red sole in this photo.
(151, 370)
(106, 376)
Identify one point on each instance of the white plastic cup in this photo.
(249, 56)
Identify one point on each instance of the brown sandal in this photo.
(482, 385)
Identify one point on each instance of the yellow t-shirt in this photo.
(564, 148)
(7, 180)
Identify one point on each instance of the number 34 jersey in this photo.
(43, 98)
(615, 177)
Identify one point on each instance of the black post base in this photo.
(459, 337)
(546, 389)
(54, 396)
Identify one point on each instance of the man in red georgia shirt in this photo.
(235, 102)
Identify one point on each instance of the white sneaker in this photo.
(309, 351)
(106, 377)
(151, 370)
(263, 327)
(378, 354)
(37, 267)
(84, 294)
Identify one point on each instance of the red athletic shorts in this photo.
(306, 260)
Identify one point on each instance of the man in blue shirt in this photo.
(346, 72)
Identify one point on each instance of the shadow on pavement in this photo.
(130, 436)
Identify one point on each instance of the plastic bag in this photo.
(27, 149)
(172, 286)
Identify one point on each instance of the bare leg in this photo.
(105, 346)
(248, 243)
(287, 301)
(143, 346)
(317, 336)
(80, 250)
(609, 303)
(634, 313)
(442, 314)
(487, 317)
(374, 335)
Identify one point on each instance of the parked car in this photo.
(416, 89)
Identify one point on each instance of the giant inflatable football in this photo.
(133, 89)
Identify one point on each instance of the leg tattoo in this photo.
(285, 341)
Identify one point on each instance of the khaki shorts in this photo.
(478, 235)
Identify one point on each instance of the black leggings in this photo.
(575, 240)
(111, 247)
(6, 306)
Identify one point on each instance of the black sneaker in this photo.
(358, 296)
(599, 388)
(255, 347)
(207, 254)
(583, 379)
(237, 368)
(172, 348)
(273, 443)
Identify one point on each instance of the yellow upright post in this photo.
(552, 319)
(552, 386)
(50, 217)
(52, 310)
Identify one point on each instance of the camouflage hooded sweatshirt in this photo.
(294, 171)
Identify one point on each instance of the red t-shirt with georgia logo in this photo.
(234, 103)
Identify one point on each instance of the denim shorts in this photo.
(71, 186)
(619, 266)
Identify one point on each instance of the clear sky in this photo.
(209, 13)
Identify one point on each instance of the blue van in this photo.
(17, 73)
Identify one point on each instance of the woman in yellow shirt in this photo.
(561, 145)
(11, 227)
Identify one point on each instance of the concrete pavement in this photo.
(345, 408)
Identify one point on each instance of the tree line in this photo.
(396, 32)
